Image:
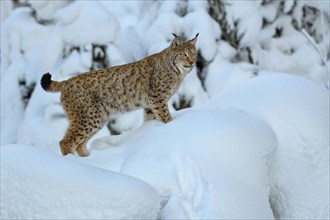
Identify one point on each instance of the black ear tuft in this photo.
(176, 41)
(193, 41)
(46, 81)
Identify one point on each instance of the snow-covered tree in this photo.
(271, 34)
(58, 38)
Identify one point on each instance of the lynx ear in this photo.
(176, 41)
(193, 41)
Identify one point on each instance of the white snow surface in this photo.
(297, 110)
(189, 165)
(37, 184)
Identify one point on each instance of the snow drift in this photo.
(36, 184)
(298, 112)
(199, 164)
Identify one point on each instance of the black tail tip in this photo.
(46, 81)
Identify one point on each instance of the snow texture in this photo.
(36, 184)
(298, 112)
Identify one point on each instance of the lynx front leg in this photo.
(161, 112)
(81, 150)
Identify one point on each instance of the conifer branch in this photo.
(326, 64)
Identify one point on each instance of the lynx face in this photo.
(184, 54)
(186, 58)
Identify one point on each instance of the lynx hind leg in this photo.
(72, 139)
(148, 114)
(78, 134)
(81, 149)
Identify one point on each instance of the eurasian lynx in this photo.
(89, 98)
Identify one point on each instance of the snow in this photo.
(36, 184)
(281, 53)
(223, 75)
(191, 90)
(5, 9)
(196, 25)
(253, 145)
(298, 112)
(45, 10)
(84, 15)
(14, 113)
(182, 164)
(250, 20)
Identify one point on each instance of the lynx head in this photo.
(183, 54)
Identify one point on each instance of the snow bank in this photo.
(198, 163)
(298, 112)
(36, 184)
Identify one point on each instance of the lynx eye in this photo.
(185, 54)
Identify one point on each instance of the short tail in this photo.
(50, 86)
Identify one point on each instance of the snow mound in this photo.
(298, 112)
(198, 163)
(36, 184)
